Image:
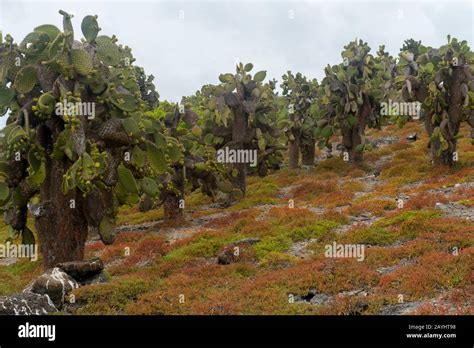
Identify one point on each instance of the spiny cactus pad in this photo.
(90, 28)
(82, 61)
(26, 79)
(107, 51)
(6, 96)
(51, 30)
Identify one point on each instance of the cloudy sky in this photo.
(188, 44)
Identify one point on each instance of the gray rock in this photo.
(400, 308)
(357, 292)
(135, 228)
(26, 304)
(320, 299)
(456, 210)
(314, 297)
(317, 298)
(96, 279)
(81, 270)
(55, 283)
(383, 141)
(300, 249)
(7, 261)
(390, 269)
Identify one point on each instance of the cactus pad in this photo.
(149, 186)
(156, 158)
(90, 28)
(34, 43)
(26, 79)
(82, 61)
(51, 30)
(138, 157)
(125, 102)
(107, 51)
(107, 231)
(6, 96)
(126, 179)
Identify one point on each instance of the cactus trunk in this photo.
(355, 156)
(240, 180)
(62, 226)
(262, 169)
(172, 200)
(307, 153)
(239, 134)
(446, 158)
(351, 138)
(294, 153)
(443, 157)
(171, 207)
(145, 204)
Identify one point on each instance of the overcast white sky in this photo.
(188, 44)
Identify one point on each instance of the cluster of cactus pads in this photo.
(353, 91)
(77, 143)
(197, 168)
(302, 114)
(442, 81)
(239, 114)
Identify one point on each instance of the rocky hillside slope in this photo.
(266, 254)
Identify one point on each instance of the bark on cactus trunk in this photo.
(454, 114)
(239, 133)
(240, 180)
(172, 200)
(352, 136)
(62, 227)
(294, 153)
(446, 158)
(307, 153)
(145, 204)
(262, 169)
(171, 206)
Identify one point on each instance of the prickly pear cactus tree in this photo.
(410, 51)
(194, 167)
(353, 91)
(302, 112)
(442, 80)
(76, 144)
(240, 116)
